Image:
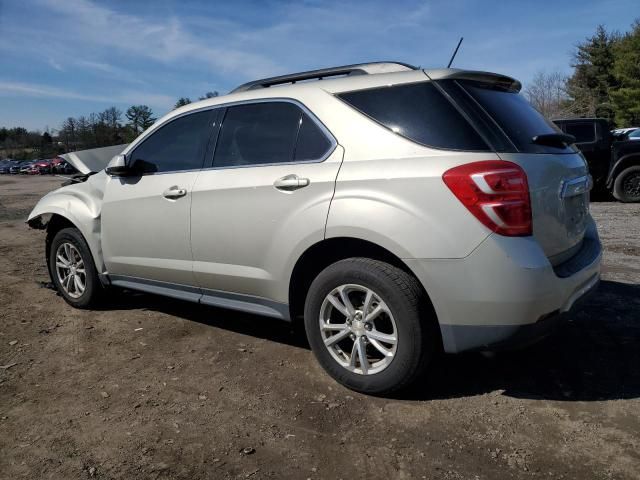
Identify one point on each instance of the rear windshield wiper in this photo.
(554, 139)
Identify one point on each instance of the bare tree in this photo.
(547, 92)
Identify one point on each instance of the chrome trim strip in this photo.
(576, 186)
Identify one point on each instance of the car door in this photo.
(265, 200)
(145, 216)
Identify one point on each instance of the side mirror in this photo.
(118, 167)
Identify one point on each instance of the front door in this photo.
(146, 216)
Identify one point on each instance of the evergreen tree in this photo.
(626, 98)
(593, 79)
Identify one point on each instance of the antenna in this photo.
(455, 52)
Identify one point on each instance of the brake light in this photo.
(496, 193)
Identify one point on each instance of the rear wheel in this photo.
(367, 325)
(72, 269)
(626, 187)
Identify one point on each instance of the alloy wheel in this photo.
(70, 270)
(358, 329)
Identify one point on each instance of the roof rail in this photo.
(356, 69)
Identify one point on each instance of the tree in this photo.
(547, 92)
(626, 69)
(182, 101)
(209, 95)
(68, 133)
(111, 118)
(140, 118)
(593, 80)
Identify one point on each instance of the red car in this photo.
(57, 165)
(40, 167)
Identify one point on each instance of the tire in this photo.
(626, 186)
(405, 316)
(70, 244)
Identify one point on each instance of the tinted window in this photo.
(515, 116)
(418, 112)
(179, 145)
(257, 134)
(584, 132)
(635, 134)
(312, 143)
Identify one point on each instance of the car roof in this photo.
(370, 75)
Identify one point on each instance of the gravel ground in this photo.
(157, 388)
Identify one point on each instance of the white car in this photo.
(396, 211)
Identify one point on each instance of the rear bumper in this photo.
(506, 293)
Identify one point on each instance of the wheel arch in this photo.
(322, 254)
(621, 164)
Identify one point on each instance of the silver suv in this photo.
(396, 211)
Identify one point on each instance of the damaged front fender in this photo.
(81, 205)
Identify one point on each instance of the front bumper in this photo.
(506, 293)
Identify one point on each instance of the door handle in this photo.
(290, 183)
(174, 192)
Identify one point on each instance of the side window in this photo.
(584, 132)
(418, 112)
(268, 132)
(178, 145)
(312, 142)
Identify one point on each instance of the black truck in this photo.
(614, 162)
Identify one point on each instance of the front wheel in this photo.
(626, 187)
(72, 269)
(368, 325)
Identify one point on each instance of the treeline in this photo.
(105, 128)
(605, 81)
(21, 144)
(110, 127)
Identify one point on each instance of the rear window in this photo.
(515, 116)
(419, 112)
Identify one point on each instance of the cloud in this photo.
(126, 97)
(165, 41)
(52, 62)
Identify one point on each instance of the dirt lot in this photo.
(156, 388)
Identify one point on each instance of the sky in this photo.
(61, 58)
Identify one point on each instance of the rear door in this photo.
(264, 200)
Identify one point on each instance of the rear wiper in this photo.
(554, 139)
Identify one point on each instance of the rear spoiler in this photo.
(94, 159)
(503, 81)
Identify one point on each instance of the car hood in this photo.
(93, 160)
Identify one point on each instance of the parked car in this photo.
(66, 168)
(396, 211)
(56, 162)
(16, 166)
(5, 167)
(27, 167)
(41, 167)
(614, 165)
(621, 132)
(634, 134)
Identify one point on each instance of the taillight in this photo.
(496, 193)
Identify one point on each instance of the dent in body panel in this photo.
(81, 204)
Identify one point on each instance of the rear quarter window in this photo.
(419, 112)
